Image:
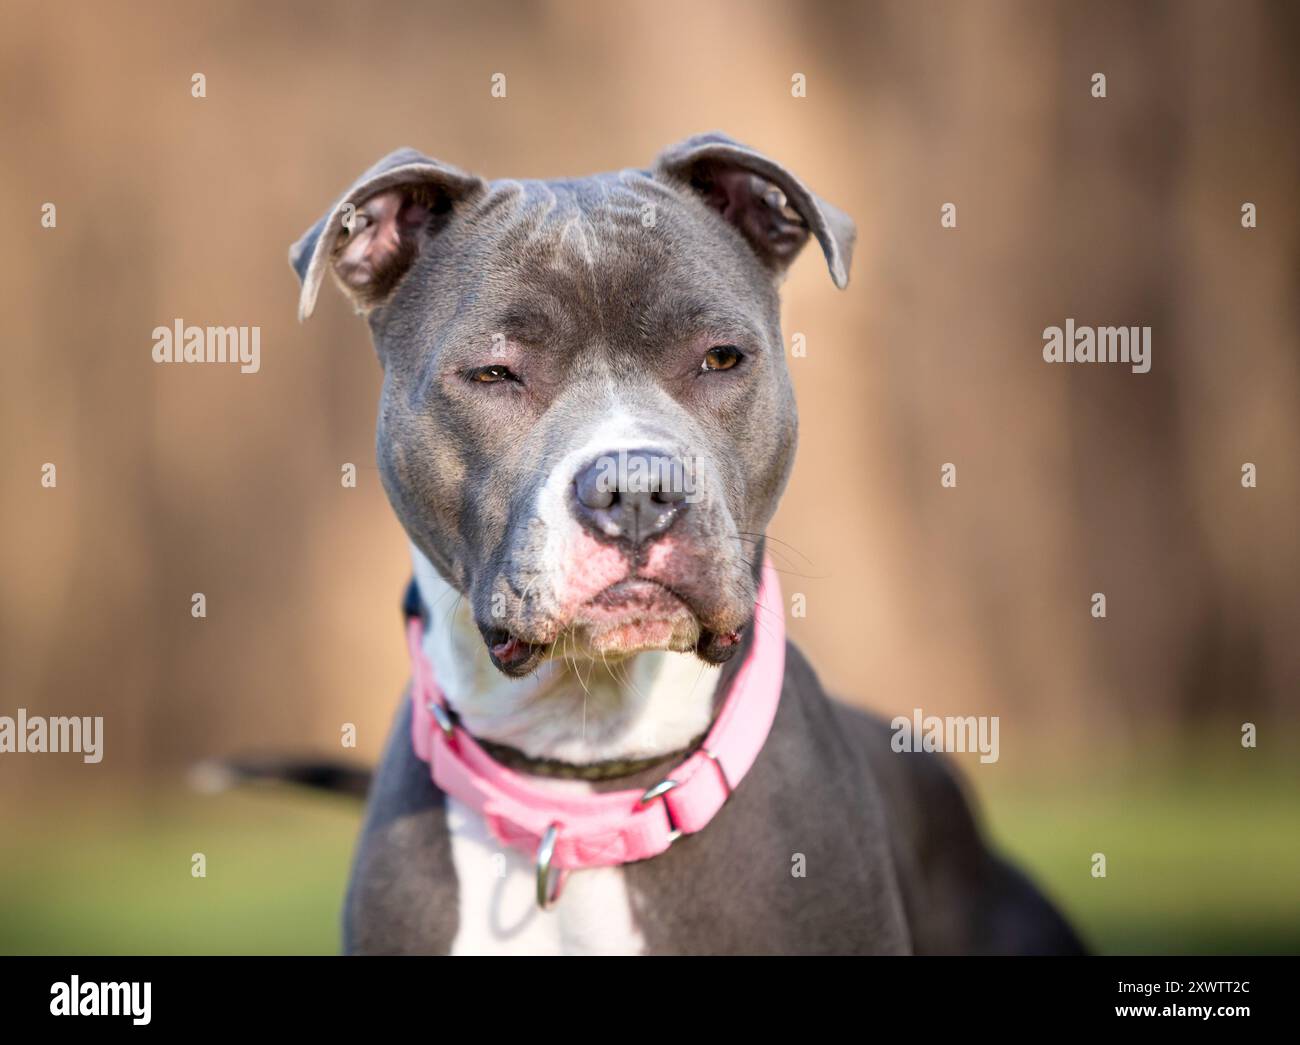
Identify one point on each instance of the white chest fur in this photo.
(498, 901)
(654, 703)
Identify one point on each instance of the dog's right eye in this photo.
(489, 375)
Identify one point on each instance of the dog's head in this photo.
(586, 418)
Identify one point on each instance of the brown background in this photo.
(1072, 480)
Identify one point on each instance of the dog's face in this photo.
(586, 418)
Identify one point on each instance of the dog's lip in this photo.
(629, 615)
(633, 588)
(510, 649)
(634, 598)
(634, 606)
(513, 654)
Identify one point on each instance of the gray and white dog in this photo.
(586, 635)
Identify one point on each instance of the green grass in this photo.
(1197, 861)
(118, 880)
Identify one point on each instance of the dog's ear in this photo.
(770, 207)
(372, 235)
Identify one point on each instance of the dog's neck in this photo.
(653, 703)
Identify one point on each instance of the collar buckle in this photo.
(658, 791)
(726, 784)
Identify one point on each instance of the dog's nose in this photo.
(631, 495)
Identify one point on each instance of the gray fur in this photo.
(606, 307)
(402, 894)
(569, 269)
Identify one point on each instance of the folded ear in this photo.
(770, 207)
(372, 235)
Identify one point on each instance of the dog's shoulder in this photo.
(402, 893)
(959, 895)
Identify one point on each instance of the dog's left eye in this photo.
(488, 375)
(721, 357)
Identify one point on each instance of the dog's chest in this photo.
(497, 900)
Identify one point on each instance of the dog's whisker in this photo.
(776, 555)
(766, 625)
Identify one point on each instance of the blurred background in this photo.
(1119, 736)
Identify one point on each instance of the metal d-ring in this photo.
(441, 716)
(546, 893)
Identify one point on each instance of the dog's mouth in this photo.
(511, 654)
(632, 616)
(635, 597)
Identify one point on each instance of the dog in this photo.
(608, 746)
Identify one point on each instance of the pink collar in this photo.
(570, 832)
